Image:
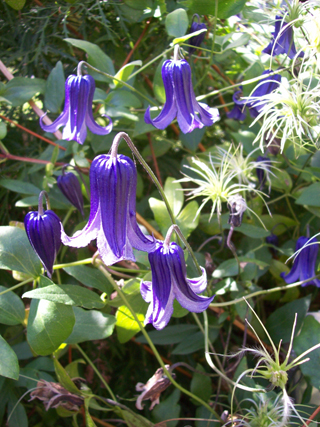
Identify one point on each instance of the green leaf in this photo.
(195, 342)
(200, 385)
(96, 57)
(135, 420)
(170, 334)
(49, 325)
(20, 186)
(21, 89)
(187, 220)
(91, 277)
(231, 268)
(68, 295)
(16, 252)
(191, 140)
(126, 325)
(177, 23)
(3, 130)
(9, 366)
(124, 73)
(279, 323)
(89, 420)
(90, 325)
(168, 409)
(11, 308)
(310, 195)
(308, 337)
(281, 180)
(16, 4)
(226, 8)
(19, 417)
(54, 94)
(64, 378)
(278, 223)
(137, 4)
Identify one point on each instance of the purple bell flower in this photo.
(70, 187)
(43, 229)
(77, 113)
(238, 112)
(196, 40)
(169, 281)
(261, 172)
(112, 220)
(304, 265)
(264, 87)
(180, 100)
(282, 41)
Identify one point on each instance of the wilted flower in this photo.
(169, 281)
(304, 265)
(43, 229)
(237, 207)
(112, 220)
(196, 40)
(77, 112)
(54, 395)
(282, 41)
(263, 172)
(180, 99)
(153, 388)
(69, 186)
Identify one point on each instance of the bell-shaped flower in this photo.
(263, 172)
(169, 281)
(264, 87)
(181, 102)
(304, 265)
(238, 112)
(282, 40)
(196, 40)
(77, 113)
(70, 187)
(112, 220)
(43, 229)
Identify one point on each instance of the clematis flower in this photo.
(77, 113)
(262, 170)
(264, 87)
(196, 40)
(180, 100)
(237, 207)
(304, 265)
(282, 41)
(112, 220)
(69, 186)
(238, 112)
(43, 229)
(169, 281)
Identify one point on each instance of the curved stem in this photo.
(17, 286)
(96, 371)
(40, 204)
(147, 168)
(144, 332)
(72, 264)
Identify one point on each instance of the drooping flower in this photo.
(238, 112)
(169, 281)
(262, 170)
(237, 207)
(77, 113)
(112, 220)
(304, 265)
(264, 87)
(282, 41)
(70, 187)
(180, 100)
(196, 40)
(43, 229)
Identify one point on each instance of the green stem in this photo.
(291, 210)
(118, 80)
(96, 371)
(150, 62)
(152, 346)
(69, 213)
(263, 292)
(72, 264)
(17, 286)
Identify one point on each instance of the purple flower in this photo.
(238, 112)
(112, 220)
(69, 186)
(282, 41)
(304, 265)
(77, 112)
(264, 87)
(181, 101)
(169, 281)
(196, 40)
(262, 172)
(44, 234)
